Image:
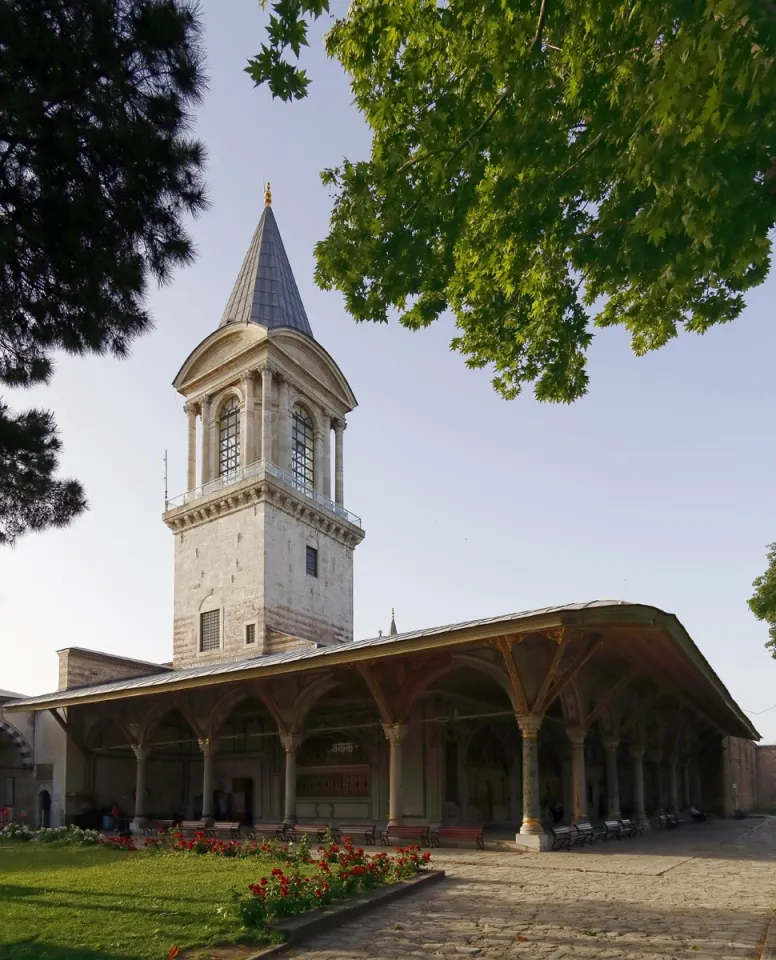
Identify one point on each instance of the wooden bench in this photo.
(562, 838)
(666, 820)
(195, 826)
(401, 835)
(366, 831)
(585, 833)
(317, 830)
(276, 831)
(612, 829)
(630, 828)
(153, 827)
(230, 827)
(458, 834)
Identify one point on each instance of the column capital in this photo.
(208, 746)
(266, 366)
(576, 735)
(637, 750)
(141, 751)
(191, 408)
(290, 741)
(246, 376)
(339, 424)
(529, 725)
(395, 732)
(610, 743)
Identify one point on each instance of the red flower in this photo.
(174, 951)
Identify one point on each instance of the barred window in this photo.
(250, 633)
(302, 447)
(210, 630)
(312, 561)
(229, 437)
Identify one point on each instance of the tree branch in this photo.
(539, 26)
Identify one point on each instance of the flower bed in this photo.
(338, 872)
(14, 832)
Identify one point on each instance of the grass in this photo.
(89, 903)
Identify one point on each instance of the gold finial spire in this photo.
(267, 195)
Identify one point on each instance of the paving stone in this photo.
(700, 893)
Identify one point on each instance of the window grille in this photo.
(210, 630)
(302, 447)
(250, 633)
(312, 561)
(229, 438)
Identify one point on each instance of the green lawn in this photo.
(89, 903)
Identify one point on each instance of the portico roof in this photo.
(651, 639)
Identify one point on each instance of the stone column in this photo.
(326, 455)
(394, 734)
(673, 786)
(266, 413)
(637, 756)
(529, 728)
(191, 460)
(290, 742)
(686, 798)
(205, 459)
(284, 427)
(248, 425)
(141, 756)
(610, 745)
(318, 460)
(576, 737)
(657, 759)
(463, 780)
(339, 492)
(208, 748)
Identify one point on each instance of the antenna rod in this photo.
(165, 479)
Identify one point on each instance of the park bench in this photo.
(458, 834)
(698, 816)
(415, 833)
(153, 827)
(276, 831)
(364, 831)
(230, 827)
(194, 826)
(585, 833)
(317, 830)
(612, 829)
(667, 820)
(630, 828)
(562, 838)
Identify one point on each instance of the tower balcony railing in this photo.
(253, 470)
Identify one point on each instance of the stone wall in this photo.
(766, 776)
(743, 773)
(81, 668)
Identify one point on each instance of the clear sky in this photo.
(657, 488)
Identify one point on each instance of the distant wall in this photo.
(766, 776)
(743, 773)
(81, 668)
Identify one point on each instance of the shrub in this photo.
(16, 833)
(72, 835)
(340, 871)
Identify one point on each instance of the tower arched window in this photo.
(229, 437)
(302, 447)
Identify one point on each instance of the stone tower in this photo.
(263, 544)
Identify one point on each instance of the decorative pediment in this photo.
(309, 356)
(214, 353)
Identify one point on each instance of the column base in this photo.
(643, 821)
(532, 842)
(137, 824)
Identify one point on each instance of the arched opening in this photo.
(16, 778)
(487, 769)
(229, 438)
(302, 447)
(44, 808)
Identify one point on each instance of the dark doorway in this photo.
(44, 802)
(242, 800)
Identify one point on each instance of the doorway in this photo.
(44, 808)
(242, 800)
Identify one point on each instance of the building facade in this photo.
(270, 709)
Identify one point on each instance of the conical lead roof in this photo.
(265, 291)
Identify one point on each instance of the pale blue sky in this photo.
(657, 488)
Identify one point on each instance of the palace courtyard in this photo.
(703, 891)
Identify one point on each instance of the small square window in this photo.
(250, 633)
(210, 630)
(312, 561)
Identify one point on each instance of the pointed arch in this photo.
(20, 742)
(456, 662)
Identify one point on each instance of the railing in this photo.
(253, 470)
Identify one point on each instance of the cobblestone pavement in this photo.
(701, 892)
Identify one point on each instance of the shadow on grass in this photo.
(39, 950)
(16, 891)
